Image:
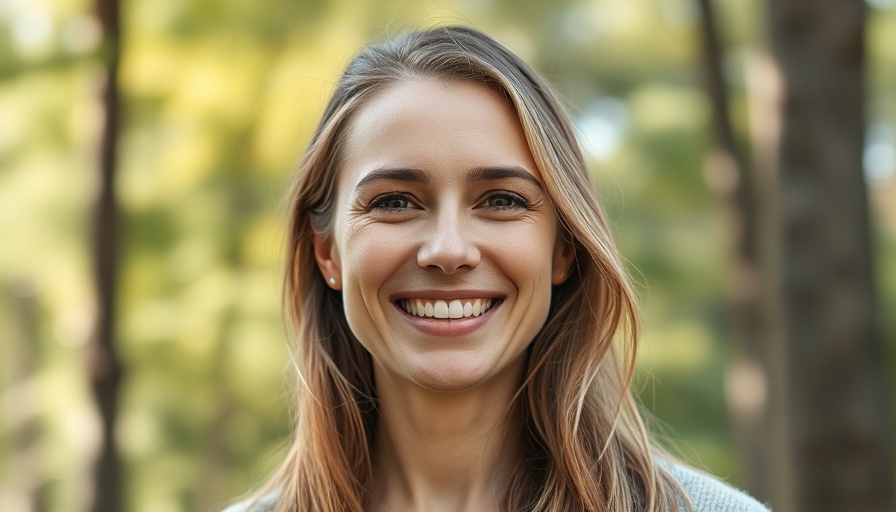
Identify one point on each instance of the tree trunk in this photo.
(834, 405)
(104, 365)
(728, 174)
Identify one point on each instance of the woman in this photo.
(465, 330)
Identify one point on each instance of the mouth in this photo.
(447, 309)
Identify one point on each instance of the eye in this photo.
(504, 200)
(393, 201)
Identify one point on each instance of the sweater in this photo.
(707, 494)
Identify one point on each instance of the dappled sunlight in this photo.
(258, 358)
(293, 92)
(746, 387)
(219, 101)
(675, 348)
(664, 107)
(190, 158)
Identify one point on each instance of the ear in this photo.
(564, 257)
(327, 256)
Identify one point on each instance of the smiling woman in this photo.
(439, 202)
(465, 332)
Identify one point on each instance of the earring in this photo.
(332, 280)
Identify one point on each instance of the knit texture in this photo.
(707, 494)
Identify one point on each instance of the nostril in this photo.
(448, 250)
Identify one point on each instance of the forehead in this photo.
(435, 126)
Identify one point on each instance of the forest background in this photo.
(217, 101)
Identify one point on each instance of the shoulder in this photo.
(265, 504)
(709, 494)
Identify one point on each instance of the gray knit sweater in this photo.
(707, 494)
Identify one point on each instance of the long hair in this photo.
(586, 447)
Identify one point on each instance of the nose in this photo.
(448, 245)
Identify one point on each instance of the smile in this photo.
(447, 309)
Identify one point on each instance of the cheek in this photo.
(525, 256)
(370, 256)
(525, 249)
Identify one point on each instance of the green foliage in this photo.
(219, 99)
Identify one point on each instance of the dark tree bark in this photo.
(834, 408)
(105, 367)
(728, 174)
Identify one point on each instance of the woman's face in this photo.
(445, 243)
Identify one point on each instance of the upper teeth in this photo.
(456, 308)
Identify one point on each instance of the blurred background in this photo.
(746, 153)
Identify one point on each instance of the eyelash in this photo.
(379, 202)
(518, 200)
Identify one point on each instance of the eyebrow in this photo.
(477, 174)
(400, 174)
(498, 173)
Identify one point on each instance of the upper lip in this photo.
(446, 294)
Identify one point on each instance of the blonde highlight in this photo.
(586, 446)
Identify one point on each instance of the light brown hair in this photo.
(586, 446)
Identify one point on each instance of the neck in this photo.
(446, 452)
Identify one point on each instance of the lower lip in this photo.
(448, 326)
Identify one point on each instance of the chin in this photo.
(450, 374)
(457, 372)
